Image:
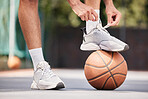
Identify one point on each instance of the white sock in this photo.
(36, 56)
(92, 24)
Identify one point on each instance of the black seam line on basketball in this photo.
(104, 61)
(94, 66)
(105, 65)
(107, 68)
(111, 76)
(97, 76)
(120, 74)
(102, 58)
(105, 82)
(104, 73)
(117, 65)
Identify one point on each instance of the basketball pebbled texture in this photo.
(105, 70)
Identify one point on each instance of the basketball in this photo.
(14, 62)
(105, 70)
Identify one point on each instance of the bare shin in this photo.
(30, 23)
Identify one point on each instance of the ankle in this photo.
(92, 24)
(36, 56)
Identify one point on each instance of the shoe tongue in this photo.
(43, 65)
(99, 25)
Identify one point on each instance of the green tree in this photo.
(134, 12)
(59, 13)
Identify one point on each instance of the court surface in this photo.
(16, 85)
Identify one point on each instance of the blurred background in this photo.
(61, 35)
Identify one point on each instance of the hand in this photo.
(84, 12)
(113, 15)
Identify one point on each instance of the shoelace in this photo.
(46, 70)
(106, 26)
(99, 26)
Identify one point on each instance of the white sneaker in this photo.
(100, 39)
(44, 78)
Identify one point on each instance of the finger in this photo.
(109, 19)
(118, 23)
(95, 15)
(82, 18)
(86, 16)
(90, 17)
(117, 20)
(113, 23)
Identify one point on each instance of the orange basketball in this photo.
(105, 70)
(14, 62)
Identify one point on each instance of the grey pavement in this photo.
(16, 85)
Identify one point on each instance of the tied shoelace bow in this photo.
(99, 26)
(46, 69)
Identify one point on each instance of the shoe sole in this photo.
(57, 86)
(93, 47)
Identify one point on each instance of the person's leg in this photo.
(29, 20)
(93, 3)
(96, 5)
(30, 24)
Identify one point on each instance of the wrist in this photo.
(108, 3)
(73, 3)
